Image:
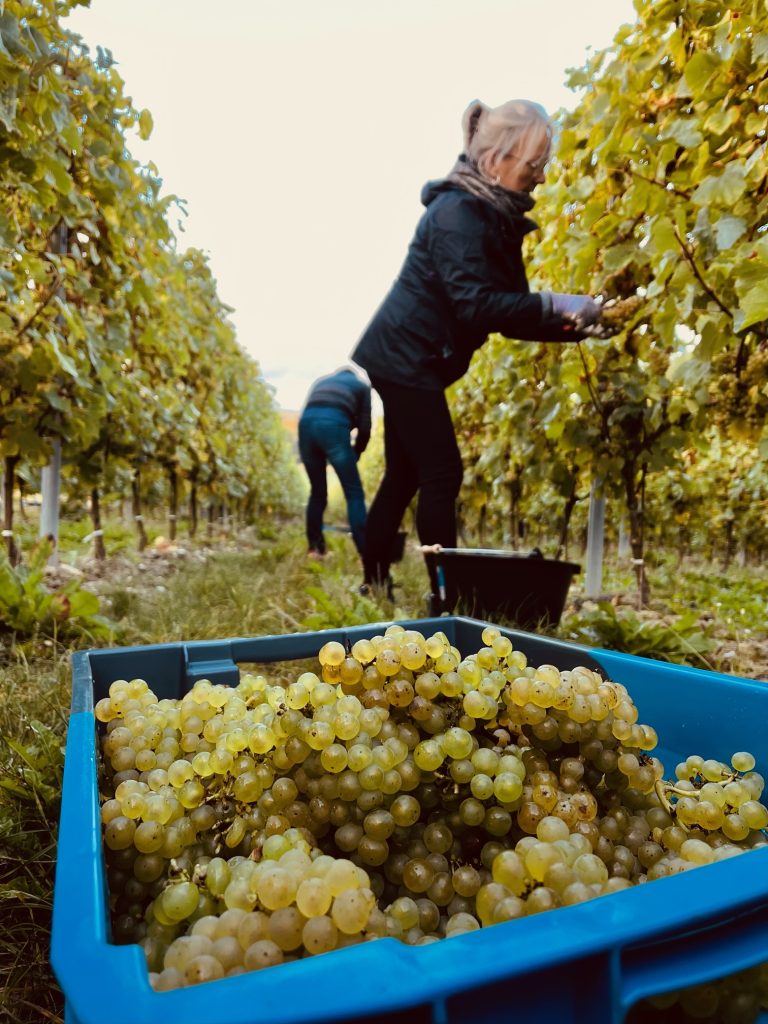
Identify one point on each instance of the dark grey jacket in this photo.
(463, 279)
(345, 391)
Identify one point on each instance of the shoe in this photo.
(380, 589)
(315, 556)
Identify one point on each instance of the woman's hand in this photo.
(581, 310)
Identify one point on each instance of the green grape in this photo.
(285, 928)
(111, 809)
(235, 833)
(466, 881)
(119, 833)
(487, 898)
(481, 786)
(351, 910)
(459, 924)
(340, 876)
(405, 810)
(276, 889)
(191, 794)
(320, 935)
(133, 805)
(263, 953)
(743, 761)
(428, 755)
(471, 811)
(179, 900)
(201, 764)
(540, 858)
(509, 909)
(260, 739)
(252, 928)
(590, 869)
(332, 653)
(370, 778)
(228, 951)
(457, 743)
(501, 645)
(149, 836)
(179, 772)
(507, 787)
(735, 793)
(696, 851)
(754, 814)
(708, 815)
(313, 897)
(346, 726)
(418, 876)
(217, 876)
(239, 896)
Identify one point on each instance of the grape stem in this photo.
(592, 393)
(662, 788)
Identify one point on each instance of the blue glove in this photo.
(581, 310)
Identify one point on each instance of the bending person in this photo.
(463, 279)
(336, 405)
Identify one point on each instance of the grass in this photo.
(33, 710)
(257, 584)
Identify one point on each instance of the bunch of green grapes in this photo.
(400, 790)
(737, 391)
(616, 313)
(285, 902)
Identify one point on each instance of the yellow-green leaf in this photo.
(721, 190)
(698, 71)
(754, 305)
(728, 229)
(145, 124)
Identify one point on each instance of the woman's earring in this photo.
(497, 180)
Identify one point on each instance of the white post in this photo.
(51, 489)
(595, 537)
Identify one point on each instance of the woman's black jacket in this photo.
(463, 279)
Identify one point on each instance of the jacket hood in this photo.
(432, 189)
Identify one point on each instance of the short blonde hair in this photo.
(491, 133)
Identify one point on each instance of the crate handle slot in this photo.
(686, 958)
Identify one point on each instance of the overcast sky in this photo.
(300, 132)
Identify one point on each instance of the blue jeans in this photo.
(324, 438)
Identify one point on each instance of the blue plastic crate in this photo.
(585, 964)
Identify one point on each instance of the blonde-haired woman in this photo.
(463, 279)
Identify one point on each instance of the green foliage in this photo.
(30, 792)
(737, 603)
(112, 339)
(28, 607)
(332, 612)
(33, 771)
(656, 199)
(683, 642)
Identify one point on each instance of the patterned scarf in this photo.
(512, 205)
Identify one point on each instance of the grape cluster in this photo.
(617, 312)
(615, 315)
(402, 790)
(737, 391)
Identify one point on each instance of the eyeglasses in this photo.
(537, 166)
